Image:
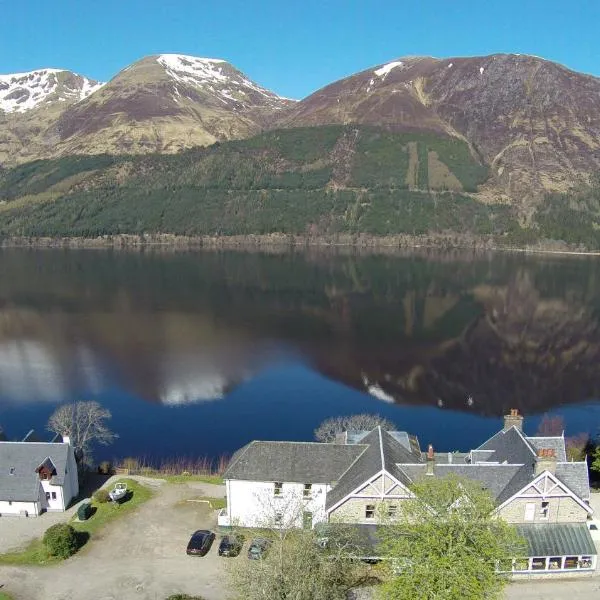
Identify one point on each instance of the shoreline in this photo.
(283, 243)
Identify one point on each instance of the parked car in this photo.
(200, 542)
(231, 545)
(258, 548)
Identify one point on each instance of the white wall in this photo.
(15, 508)
(71, 487)
(253, 503)
(50, 503)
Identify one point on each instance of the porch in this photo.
(554, 548)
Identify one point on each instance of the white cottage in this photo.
(36, 477)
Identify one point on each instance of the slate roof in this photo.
(575, 476)
(383, 452)
(557, 539)
(410, 442)
(447, 458)
(510, 446)
(23, 458)
(555, 443)
(494, 478)
(296, 462)
(504, 464)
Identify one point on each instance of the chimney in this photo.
(545, 461)
(430, 460)
(513, 419)
(66, 439)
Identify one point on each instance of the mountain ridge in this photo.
(535, 124)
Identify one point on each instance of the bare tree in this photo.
(84, 423)
(298, 564)
(330, 428)
(551, 426)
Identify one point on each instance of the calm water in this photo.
(198, 353)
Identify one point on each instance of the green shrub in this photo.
(101, 496)
(61, 540)
(184, 597)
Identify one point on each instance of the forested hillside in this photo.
(307, 181)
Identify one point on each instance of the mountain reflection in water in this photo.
(473, 333)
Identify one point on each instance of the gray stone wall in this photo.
(560, 510)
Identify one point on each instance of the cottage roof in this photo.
(575, 476)
(553, 443)
(19, 480)
(383, 452)
(299, 462)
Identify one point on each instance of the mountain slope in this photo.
(166, 103)
(30, 104)
(319, 182)
(534, 122)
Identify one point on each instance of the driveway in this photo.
(141, 556)
(15, 532)
(569, 589)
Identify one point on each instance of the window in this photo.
(47, 495)
(571, 562)
(278, 518)
(10, 502)
(370, 511)
(521, 564)
(585, 562)
(307, 519)
(530, 511)
(392, 510)
(44, 475)
(307, 492)
(12, 471)
(555, 562)
(544, 511)
(277, 487)
(538, 564)
(53, 495)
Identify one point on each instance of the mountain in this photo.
(162, 103)
(296, 182)
(30, 104)
(535, 123)
(166, 103)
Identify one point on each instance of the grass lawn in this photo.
(35, 553)
(216, 479)
(5, 596)
(215, 503)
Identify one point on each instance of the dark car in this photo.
(258, 548)
(200, 542)
(231, 545)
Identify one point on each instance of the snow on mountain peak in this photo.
(214, 75)
(20, 92)
(383, 71)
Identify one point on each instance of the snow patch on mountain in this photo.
(383, 71)
(20, 92)
(227, 84)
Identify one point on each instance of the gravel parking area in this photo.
(142, 556)
(16, 532)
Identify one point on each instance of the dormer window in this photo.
(12, 471)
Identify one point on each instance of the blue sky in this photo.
(291, 47)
